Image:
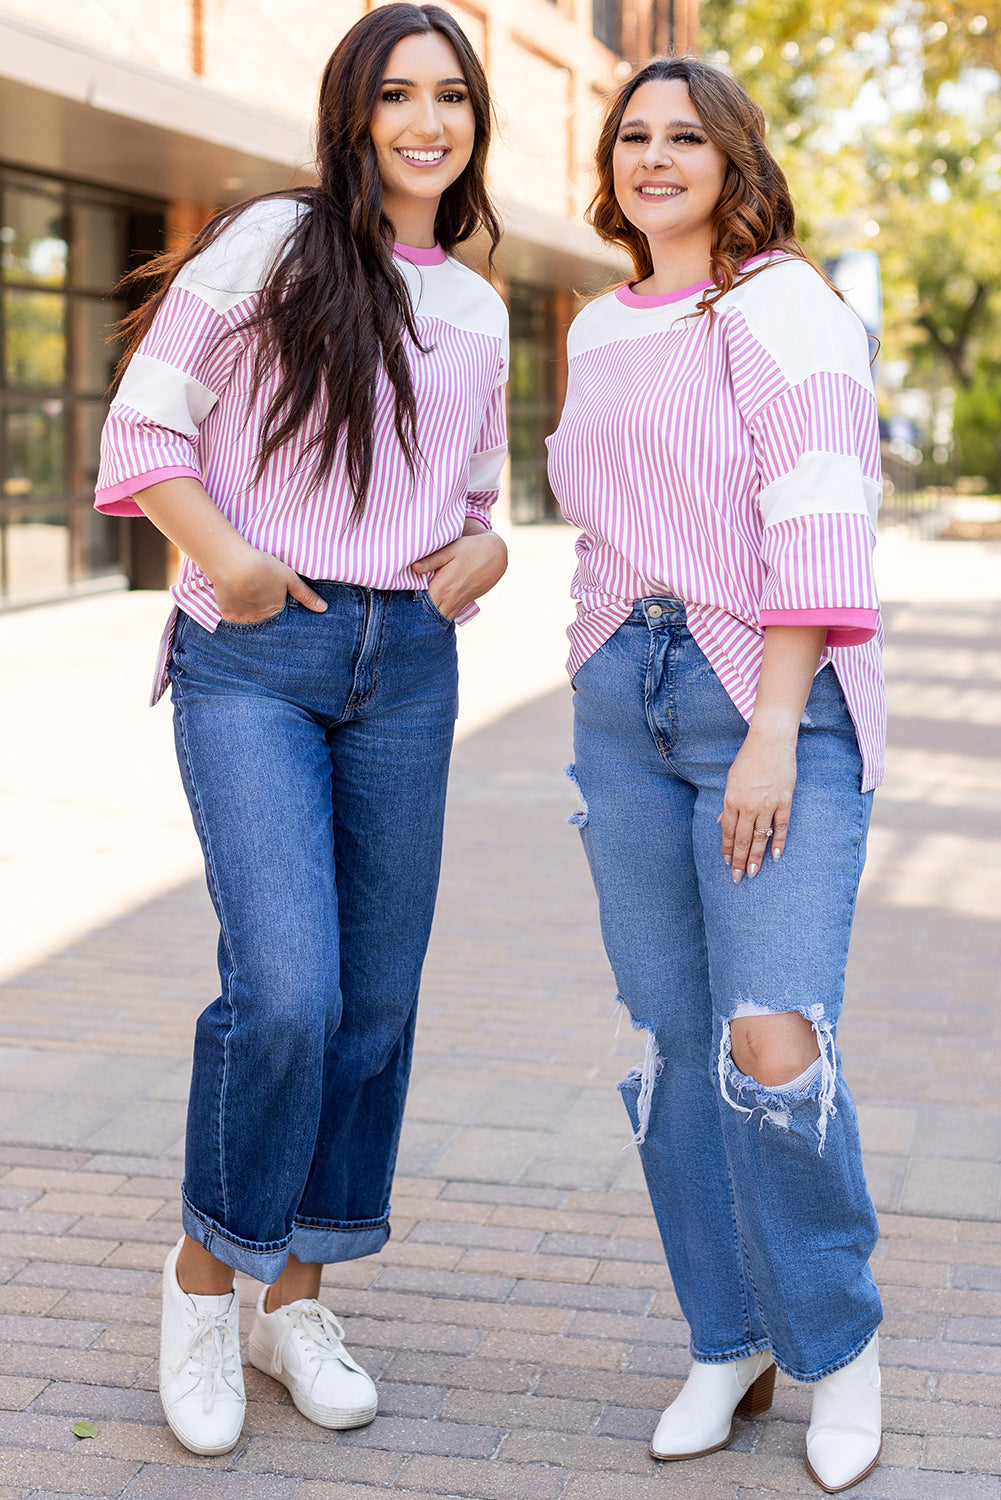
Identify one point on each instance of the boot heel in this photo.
(758, 1396)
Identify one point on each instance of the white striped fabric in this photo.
(735, 465)
(184, 408)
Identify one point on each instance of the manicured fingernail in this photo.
(727, 861)
(752, 870)
(776, 854)
(738, 876)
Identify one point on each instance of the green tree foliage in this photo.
(886, 119)
(977, 429)
(803, 64)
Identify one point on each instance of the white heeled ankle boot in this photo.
(845, 1436)
(700, 1419)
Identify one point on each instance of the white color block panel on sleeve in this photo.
(165, 396)
(802, 323)
(485, 469)
(236, 265)
(821, 484)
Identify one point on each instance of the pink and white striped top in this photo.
(734, 465)
(184, 408)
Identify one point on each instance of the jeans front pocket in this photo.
(425, 596)
(249, 625)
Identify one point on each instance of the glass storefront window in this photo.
(531, 402)
(63, 248)
(35, 441)
(34, 339)
(606, 23)
(33, 238)
(87, 447)
(99, 245)
(95, 348)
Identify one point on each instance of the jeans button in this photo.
(655, 612)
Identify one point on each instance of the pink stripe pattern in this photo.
(186, 407)
(734, 465)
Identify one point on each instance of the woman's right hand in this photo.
(251, 586)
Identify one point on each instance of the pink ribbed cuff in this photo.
(116, 499)
(483, 516)
(845, 627)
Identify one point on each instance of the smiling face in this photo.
(423, 130)
(667, 173)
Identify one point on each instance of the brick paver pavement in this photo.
(521, 1320)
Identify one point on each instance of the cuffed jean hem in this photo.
(264, 1262)
(837, 1364)
(744, 1351)
(312, 1245)
(309, 1244)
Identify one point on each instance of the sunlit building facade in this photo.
(123, 126)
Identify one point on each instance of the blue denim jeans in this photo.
(314, 752)
(759, 1193)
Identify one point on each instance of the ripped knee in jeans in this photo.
(579, 818)
(775, 1103)
(642, 1078)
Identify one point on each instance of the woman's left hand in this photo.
(465, 569)
(758, 796)
(757, 802)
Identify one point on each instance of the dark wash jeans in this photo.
(314, 752)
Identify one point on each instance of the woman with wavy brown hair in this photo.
(719, 452)
(312, 409)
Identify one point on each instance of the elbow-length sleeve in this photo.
(800, 368)
(183, 365)
(486, 462)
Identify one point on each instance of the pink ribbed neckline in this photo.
(626, 294)
(637, 299)
(435, 256)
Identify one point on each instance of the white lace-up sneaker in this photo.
(300, 1346)
(201, 1378)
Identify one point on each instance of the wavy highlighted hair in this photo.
(754, 211)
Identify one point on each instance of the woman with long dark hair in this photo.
(719, 450)
(312, 409)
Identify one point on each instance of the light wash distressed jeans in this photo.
(314, 751)
(759, 1193)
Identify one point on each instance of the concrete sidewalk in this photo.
(521, 1320)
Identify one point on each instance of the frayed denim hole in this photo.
(644, 1078)
(776, 1103)
(579, 818)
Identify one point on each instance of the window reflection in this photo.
(34, 339)
(34, 445)
(101, 541)
(32, 237)
(531, 402)
(63, 248)
(95, 349)
(90, 417)
(99, 234)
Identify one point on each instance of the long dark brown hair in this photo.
(334, 307)
(754, 211)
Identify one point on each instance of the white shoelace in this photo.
(213, 1350)
(321, 1328)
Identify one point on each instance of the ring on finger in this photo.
(763, 833)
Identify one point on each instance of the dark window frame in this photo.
(97, 547)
